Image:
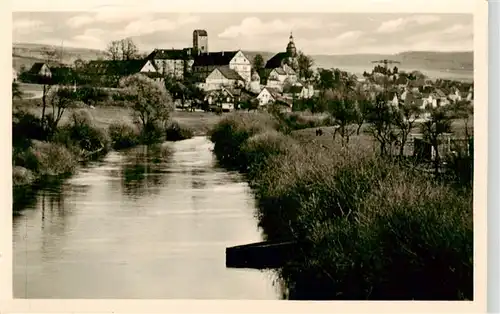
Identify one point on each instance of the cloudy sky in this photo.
(329, 33)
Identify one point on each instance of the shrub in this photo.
(52, 159)
(177, 132)
(82, 133)
(230, 133)
(368, 228)
(260, 147)
(152, 133)
(26, 126)
(22, 176)
(123, 135)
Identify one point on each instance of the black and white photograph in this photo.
(243, 156)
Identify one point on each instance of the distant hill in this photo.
(459, 65)
(26, 54)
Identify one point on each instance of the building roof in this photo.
(169, 54)
(274, 92)
(214, 58)
(280, 71)
(36, 67)
(229, 73)
(276, 60)
(201, 32)
(116, 67)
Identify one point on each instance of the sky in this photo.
(314, 33)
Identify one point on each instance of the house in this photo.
(205, 63)
(278, 77)
(40, 69)
(435, 98)
(172, 62)
(298, 91)
(268, 95)
(220, 77)
(110, 71)
(223, 98)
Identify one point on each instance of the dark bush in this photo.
(177, 132)
(123, 135)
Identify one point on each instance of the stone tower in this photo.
(200, 41)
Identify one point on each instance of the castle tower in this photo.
(200, 41)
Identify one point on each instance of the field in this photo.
(103, 116)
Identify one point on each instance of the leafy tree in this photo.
(463, 110)
(404, 119)
(305, 64)
(381, 117)
(258, 62)
(438, 123)
(363, 107)
(16, 91)
(60, 99)
(343, 113)
(151, 103)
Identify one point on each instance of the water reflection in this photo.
(143, 223)
(144, 169)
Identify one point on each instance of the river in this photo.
(146, 223)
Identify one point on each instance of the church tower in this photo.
(291, 50)
(200, 41)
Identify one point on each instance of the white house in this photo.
(268, 95)
(222, 97)
(278, 77)
(222, 77)
(205, 63)
(172, 62)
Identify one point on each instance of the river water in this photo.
(146, 223)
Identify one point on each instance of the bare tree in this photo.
(113, 49)
(129, 49)
(124, 49)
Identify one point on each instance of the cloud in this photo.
(253, 26)
(399, 24)
(27, 26)
(105, 16)
(349, 36)
(148, 25)
(79, 21)
(459, 29)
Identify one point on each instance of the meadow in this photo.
(368, 227)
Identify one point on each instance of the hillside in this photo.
(458, 65)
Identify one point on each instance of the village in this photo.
(178, 167)
(229, 80)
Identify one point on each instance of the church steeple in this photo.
(290, 48)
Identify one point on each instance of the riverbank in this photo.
(370, 228)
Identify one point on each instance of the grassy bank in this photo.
(369, 228)
(39, 157)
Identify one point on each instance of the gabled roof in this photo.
(36, 67)
(214, 58)
(280, 71)
(116, 67)
(273, 91)
(275, 61)
(169, 54)
(229, 73)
